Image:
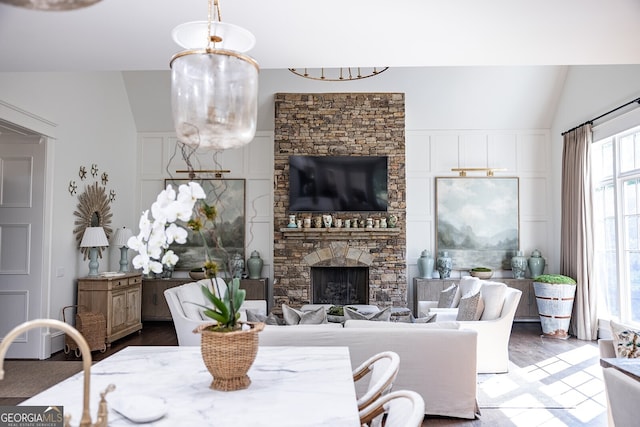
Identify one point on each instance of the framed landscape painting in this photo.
(477, 221)
(228, 196)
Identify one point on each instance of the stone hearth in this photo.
(358, 124)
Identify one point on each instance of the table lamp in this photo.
(93, 238)
(119, 240)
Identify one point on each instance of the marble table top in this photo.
(290, 386)
(630, 367)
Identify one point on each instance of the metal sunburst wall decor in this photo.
(93, 210)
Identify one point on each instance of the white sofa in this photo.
(493, 335)
(187, 316)
(436, 361)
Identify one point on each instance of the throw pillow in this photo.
(470, 308)
(380, 316)
(297, 317)
(256, 316)
(429, 318)
(625, 340)
(493, 297)
(447, 297)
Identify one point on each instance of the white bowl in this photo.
(482, 274)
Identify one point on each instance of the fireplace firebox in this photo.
(340, 285)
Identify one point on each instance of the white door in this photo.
(22, 178)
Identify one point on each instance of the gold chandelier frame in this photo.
(340, 74)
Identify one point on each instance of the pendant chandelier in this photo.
(51, 4)
(341, 74)
(214, 85)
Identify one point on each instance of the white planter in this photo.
(555, 303)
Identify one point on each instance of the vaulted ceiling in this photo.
(135, 34)
(495, 63)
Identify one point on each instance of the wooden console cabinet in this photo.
(154, 304)
(117, 298)
(429, 290)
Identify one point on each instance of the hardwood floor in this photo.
(572, 364)
(153, 333)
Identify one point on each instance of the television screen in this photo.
(337, 183)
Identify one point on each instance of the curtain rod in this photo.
(637, 100)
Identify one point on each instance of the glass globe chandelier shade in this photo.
(214, 98)
(214, 84)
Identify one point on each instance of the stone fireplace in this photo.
(358, 124)
(339, 285)
(341, 279)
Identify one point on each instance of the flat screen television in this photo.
(338, 183)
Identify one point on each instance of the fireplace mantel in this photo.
(338, 233)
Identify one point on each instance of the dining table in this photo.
(628, 366)
(170, 386)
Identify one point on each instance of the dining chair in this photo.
(403, 408)
(623, 393)
(383, 368)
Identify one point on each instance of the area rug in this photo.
(518, 389)
(26, 378)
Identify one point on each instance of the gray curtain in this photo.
(576, 232)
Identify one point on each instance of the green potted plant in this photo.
(554, 297)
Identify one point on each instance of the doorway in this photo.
(23, 253)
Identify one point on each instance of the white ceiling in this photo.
(135, 34)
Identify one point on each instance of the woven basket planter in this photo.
(229, 355)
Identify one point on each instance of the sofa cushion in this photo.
(470, 307)
(380, 316)
(298, 317)
(492, 294)
(366, 324)
(447, 297)
(468, 284)
(189, 295)
(625, 340)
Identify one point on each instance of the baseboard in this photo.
(56, 343)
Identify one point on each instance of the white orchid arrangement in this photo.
(160, 231)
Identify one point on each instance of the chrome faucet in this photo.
(85, 420)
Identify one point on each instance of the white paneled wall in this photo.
(524, 154)
(429, 154)
(159, 158)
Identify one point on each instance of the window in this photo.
(616, 181)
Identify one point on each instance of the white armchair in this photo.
(623, 393)
(493, 334)
(187, 316)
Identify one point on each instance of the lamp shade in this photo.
(214, 98)
(121, 237)
(94, 237)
